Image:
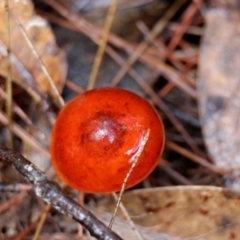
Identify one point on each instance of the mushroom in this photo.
(99, 134)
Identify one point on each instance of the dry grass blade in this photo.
(125, 212)
(41, 222)
(41, 64)
(102, 44)
(134, 160)
(74, 87)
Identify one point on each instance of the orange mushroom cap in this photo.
(97, 136)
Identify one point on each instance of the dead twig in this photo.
(51, 193)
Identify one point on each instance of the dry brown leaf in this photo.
(26, 69)
(193, 212)
(219, 84)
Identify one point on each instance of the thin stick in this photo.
(24, 136)
(163, 164)
(41, 64)
(125, 212)
(16, 109)
(9, 75)
(73, 86)
(188, 16)
(134, 161)
(102, 44)
(184, 152)
(13, 201)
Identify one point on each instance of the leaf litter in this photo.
(173, 213)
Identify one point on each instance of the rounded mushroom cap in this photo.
(99, 134)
